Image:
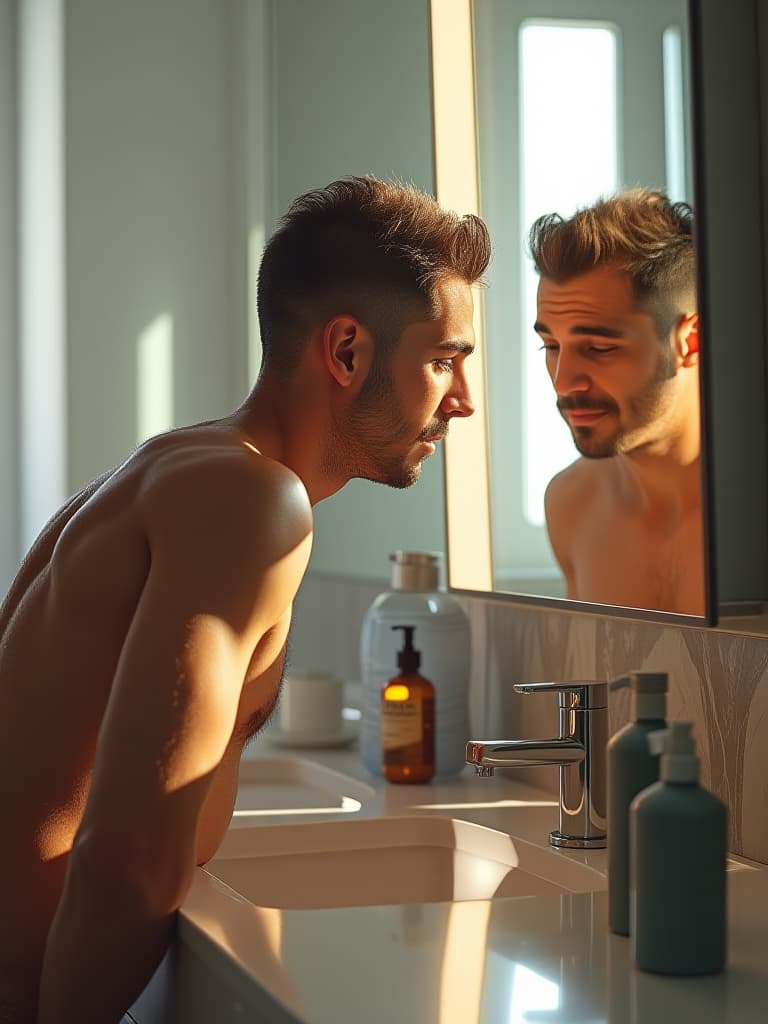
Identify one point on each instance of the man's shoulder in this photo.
(580, 475)
(225, 481)
(220, 463)
(573, 491)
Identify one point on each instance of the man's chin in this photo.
(597, 451)
(400, 477)
(620, 444)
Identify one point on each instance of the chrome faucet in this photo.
(579, 750)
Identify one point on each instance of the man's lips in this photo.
(583, 417)
(436, 435)
(430, 443)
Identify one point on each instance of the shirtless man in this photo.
(142, 642)
(617, 316)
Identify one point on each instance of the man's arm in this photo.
(227, 554)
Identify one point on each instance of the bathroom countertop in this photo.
(504, 961)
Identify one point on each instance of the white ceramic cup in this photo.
(310, 703)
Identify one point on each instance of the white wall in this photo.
(127, 125)
(9, 440)
(155, 211)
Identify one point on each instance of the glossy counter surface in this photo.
(545, 958)
(501, 961)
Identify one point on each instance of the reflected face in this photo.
(405, 405)
(615, 378)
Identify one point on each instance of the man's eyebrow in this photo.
(459, 345)
(583, 330)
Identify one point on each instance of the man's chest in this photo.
(630, 561)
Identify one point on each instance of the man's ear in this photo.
(687, 339)
(347, 350)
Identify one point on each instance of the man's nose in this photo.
(458, 401)
(570, 374)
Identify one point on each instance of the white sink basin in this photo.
(273, 787)
(380, 861)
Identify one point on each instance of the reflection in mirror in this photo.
(591, 349)
(616, 315)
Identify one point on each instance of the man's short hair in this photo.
(639, 231)
(366, 248)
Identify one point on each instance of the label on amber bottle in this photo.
(401, 724)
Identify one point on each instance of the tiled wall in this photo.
(718, 680)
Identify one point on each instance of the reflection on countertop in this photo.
(501, 961)
(547, 958)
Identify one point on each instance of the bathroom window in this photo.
(568, 91)
(676, 135)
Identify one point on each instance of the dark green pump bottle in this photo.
(678, 835)
(631, 767)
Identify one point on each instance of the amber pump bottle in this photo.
(408, 719)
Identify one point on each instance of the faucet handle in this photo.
(578, 694)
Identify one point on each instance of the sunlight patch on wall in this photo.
(154, 351)
(43, 417)
(256, 241)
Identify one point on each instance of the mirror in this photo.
(567, 105)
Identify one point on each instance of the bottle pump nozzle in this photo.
(649, 693)
(677, 748)
(408, 659)
(641, 682)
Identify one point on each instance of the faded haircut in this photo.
(639, 231)
(370, 249)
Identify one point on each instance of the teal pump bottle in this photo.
(677, 862)
(631, 767)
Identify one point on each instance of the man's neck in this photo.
(672, 476)
(290, 432)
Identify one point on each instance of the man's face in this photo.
(613, 375)
(405, 405)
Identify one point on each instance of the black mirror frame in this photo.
(730, 213)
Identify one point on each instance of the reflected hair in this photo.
(639, 231)
(370, 249)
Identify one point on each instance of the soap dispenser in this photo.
(677, 865)
(408, 719)
(444, 641)
(631, 768)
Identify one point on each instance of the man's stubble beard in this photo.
(644, 410)
(358, 446)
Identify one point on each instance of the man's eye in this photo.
(548, 348)
(602, 350)
(443, 364)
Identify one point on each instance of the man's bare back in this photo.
(617, 547)
(66, 626)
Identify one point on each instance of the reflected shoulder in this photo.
(569, 493)
(569, 481)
